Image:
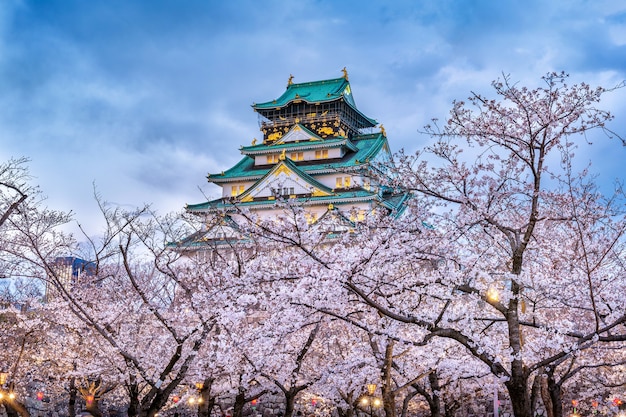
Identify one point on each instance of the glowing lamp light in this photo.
(313, 402)
(365, 401)
(1, 395)
(175, 399)
(617, 402)
(253, 402)
(377, 402)
(371, 388)
(40, 396)
(89, 399)
(594, 404)
(493, 295)
(12, 396)
(192, 400)
(3, 377)
(575, 403)
(199, 386)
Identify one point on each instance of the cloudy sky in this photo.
(144, 98)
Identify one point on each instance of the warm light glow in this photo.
(175, 399)
(493, 295)
(89, 399)
(594, 403)
(3, 377)
(192, 400)
(12, 395)
(377, 402)
(371, 388)
(199, 386)
(40, 395)
(1, 395)
(200, 400)
(575, 403)
(365, 401)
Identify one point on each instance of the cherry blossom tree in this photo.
(524, 255)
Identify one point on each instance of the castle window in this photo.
(236, 190)
(321, 154)
(297, 156)
(272, 159)
(343, 182)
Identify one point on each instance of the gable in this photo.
(285, 179)
(298, 133)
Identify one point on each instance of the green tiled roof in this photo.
(315, 92)
(293, 146)
(367, 146)
(312, 92)
(338, 197)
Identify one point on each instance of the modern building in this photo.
(317, 150)
(67, 272)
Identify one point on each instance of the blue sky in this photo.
(144, 98)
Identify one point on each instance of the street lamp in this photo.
(370, 400)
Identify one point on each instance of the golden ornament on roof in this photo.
(345, 73)
(290, 80)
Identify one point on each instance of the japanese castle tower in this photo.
(317, 150)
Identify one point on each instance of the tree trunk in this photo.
(535, 394)
(517, 385)
(71, 403)
(555, 395)
(406, 401)
(546, 397)
(387, 390)
(207, 400)
(133, 399)
(290, 399)
(435, 400)
(518, 393)
(240, 401)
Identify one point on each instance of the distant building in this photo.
(318, 150)
(67, 271)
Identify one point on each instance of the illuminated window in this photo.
(272, 159)
(236, 190)
(366, 185)
(343, 182)
(297, 156)
(321, 154)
